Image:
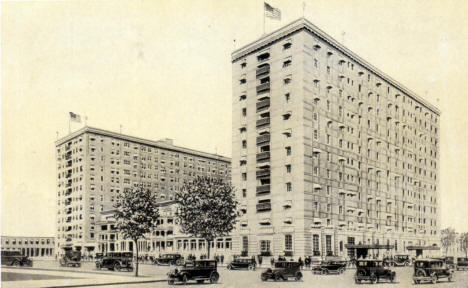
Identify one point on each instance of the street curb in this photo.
(107, 284)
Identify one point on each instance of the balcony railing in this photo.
(263, 104)
(263, 70)
(69, 164)
(68, 175)
(263, 207)
(68, 156)
(68, 184)
(263, 155)
(263, 138)
(263, 122)
(263, 87)
(263, 189)
(263, 173)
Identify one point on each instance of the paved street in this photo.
(88, 275)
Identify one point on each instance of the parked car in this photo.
(283, 271)
(401, 260)
(372, 270)
(242, 263)
(462, 263)
(15, 258)
(116, 261)
(431, 270)
(71, 259)
(169, 259)
(330, 266)
(198, 270)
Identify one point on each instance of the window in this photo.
(243, 81)
(288, 150)
(288, 187)
(316, 247)
(288, 242)
(287, 46)
(243, 65)
(287, 63)
(244, 176)
(328, 244)
(245, 244)
(244, 112)
(287, 97)
(244, 144)
(315, 134)
(265, 246)
(244, 193)
(288, 168)
(287, 80)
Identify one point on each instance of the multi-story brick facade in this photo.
(30, 246)
(328, 150)
(94, 165)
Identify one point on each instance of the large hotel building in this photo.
(94, 165)
(329, 153)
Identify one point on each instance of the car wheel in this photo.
(341, 271)
(434, 278)
(229, 267)
(214, 277)
(170, 282)
(251, 267)
(416, 281)
(420, 273)
(178, 262)
(264, 277)
(373, 278)
(116, 267)
(298, 276)
(392, 278)
(451, 277)
(16, 263)
(357, 281)
(184, 279)
(277, 277)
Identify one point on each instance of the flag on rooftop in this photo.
(271, 12)
(75, 117)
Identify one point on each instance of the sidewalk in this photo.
(45, 278)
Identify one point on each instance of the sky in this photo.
(162, 69)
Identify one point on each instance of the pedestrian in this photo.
(272, 261)
(301, 263)
(222, 259)
(260, 260)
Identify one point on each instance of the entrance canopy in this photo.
(369, 246)
(423, 248)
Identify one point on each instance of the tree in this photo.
(464, 243)
(207, 209)
(447, 238)
(137, 214)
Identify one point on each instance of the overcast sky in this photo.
(162, 70)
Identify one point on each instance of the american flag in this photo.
(75, 117)
(272, 12)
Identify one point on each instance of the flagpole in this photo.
(263, 9)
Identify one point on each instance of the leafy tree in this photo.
(136, 215)
(207, 209)
(464, 243)
(447, 238)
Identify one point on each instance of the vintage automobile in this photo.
(71, 259)
(198, 270)
(283, 271)
(401, 260)
(462, 263)
(328, 266)
(169, 259)
(242, 263)
(116, 261)
(15, 258)
(372, 270)
(431, 270)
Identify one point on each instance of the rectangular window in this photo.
(328, 245)
(288, 187)
(316, 247)
(288, 242)
(245, 243)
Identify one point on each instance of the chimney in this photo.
(167, 141)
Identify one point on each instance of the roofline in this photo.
(158, 144)
(302, 23)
